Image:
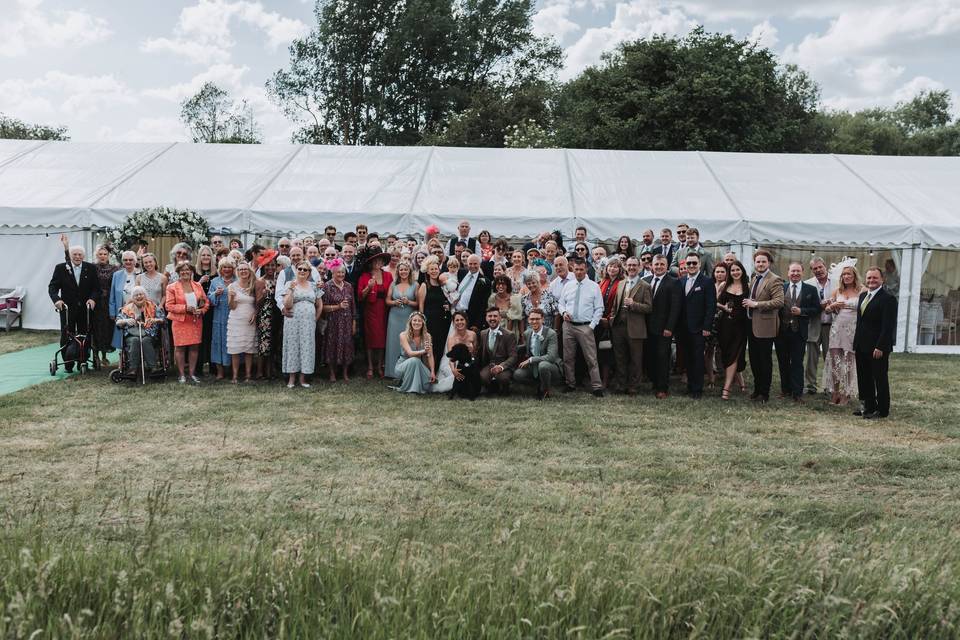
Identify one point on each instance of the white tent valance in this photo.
(730, 197)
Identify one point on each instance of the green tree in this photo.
(414, 71)
(211, 115)
(920, 126)
(704, 91)
(14, 129)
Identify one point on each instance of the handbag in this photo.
(604, 338)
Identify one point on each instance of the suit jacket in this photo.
(636, 317)
(877, 324)
(665, 250)
(808, 299)
(550, 347)
(665, 307)
(765, 318)
(451, 245)
(63, 285)
(477, 307)
(700, 305)
(504, 349)
(681, 253)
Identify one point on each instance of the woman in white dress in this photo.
(459, 334)
(241, 323)
(840, 374)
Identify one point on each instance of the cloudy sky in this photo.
(117, 70)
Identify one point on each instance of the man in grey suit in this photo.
(542, 365)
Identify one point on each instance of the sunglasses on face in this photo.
(581, 250)
(304, 270)
(331, 234)
(693, 264)
(646, 259)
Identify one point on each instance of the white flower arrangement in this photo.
(187, 225)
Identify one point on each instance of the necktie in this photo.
(76, 273)
(656, 283)
(535, 351)
(866, 301)
(492, 338)
(576, 301)
(793, 295)
(753, 292)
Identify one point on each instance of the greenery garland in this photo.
(187, 225)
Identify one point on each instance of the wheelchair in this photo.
(161, 346)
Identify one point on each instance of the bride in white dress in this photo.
(459, 334)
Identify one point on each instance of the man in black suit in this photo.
(73, 290)
(474, 289)
(699, 306)
(463, 231)
(872, 343)
(801, 301)
(661, 323)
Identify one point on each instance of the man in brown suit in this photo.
(629, 327)
(498, 355)
(763, 305)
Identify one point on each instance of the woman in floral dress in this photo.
(340, 312)
(267, 315)
(840, 375)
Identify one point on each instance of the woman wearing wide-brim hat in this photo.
(372, 293)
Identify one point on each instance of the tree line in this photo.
(474, 73)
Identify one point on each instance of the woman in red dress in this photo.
(373, 287)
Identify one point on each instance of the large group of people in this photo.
(473, 314)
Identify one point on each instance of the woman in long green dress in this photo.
(414, 368)
(401, 300)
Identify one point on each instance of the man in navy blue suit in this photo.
(872, 343)
(801, 301)
(699, 305)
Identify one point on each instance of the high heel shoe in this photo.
(369, 374)
(725, 394)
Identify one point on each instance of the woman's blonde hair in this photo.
(143, 260)
(411, 277)
(856, 280)
(253, 278)
(429, 260)
(409, 329)
(225, 262)
(213, 259)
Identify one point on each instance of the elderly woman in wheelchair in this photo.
(141, 321)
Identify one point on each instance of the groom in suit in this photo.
(498, 355)
(699, 307)
(872, 343)
(629, 327)
(542, 365)
(763, 304)
(801, 302)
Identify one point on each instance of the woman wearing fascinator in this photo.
(840, 374)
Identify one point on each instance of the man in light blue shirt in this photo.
(581, 307)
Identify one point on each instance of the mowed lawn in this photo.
(353, 511)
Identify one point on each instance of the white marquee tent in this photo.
(905, 204)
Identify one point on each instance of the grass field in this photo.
(20, 339)
(352, 511)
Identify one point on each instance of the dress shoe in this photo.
(760, 398)
(754, 395)
(543, 395)
(858, 413)
(598, 393)
(662, 395)
(871, 416)
(799, 400)
(696, 395)
(569, 389)
(782, 395)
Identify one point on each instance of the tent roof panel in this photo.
(815, 198)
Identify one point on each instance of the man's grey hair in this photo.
(79, 248)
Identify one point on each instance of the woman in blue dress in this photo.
(401, 300)
(414, 368)
(221, 311)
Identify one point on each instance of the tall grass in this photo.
(350, 511)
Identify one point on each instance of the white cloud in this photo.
(764, 34)
(555, 21)
(877, 75)
(226, 76)
(203, 31)
(59, 94)
(631, 20)
(27, 25)
(163, 129)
